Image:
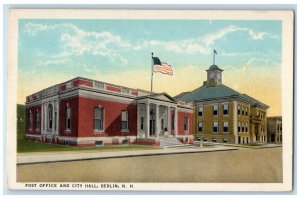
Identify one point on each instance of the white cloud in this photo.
(202, 45)
(210, 39)
(197, 48)
(49, 62)
(76, 41)
(254, 61)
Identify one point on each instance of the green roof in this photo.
(205, 93)
(214, 67)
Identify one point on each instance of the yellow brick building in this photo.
(224, 115)
(274, 129)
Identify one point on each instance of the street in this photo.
(244, 166)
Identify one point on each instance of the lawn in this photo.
(24, 146)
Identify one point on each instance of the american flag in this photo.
(164, 68)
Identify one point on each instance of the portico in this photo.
(157, 116)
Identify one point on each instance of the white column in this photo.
(57, 117)
(169, 120)
(46, 118)
(138, 119)
(157, 121)
(53, 117)
(147, 118)
(176, 122)
(42, 119)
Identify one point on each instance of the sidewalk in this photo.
(52, 157)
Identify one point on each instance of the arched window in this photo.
(50, 116)
(68, 117)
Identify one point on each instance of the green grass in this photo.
(24, 146)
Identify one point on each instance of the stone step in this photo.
(168, 142)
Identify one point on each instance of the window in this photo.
(215, 140)
(246, 128)
(246, 111)
(124, 120)
(50, 116)
(243, 127)
(69, 85)
(225, 109)
(99, 85)
(239, 110)
(142, 123)
(216, 127)
(55, 119)
(99, 143)
(239, 127)
(225, 140)
(38, 120)
(225, 127)
(68, 117)
(162, 124)
(200, 127)
(243, 113)
(200, 112)
(215, 109)
(186, 124)
(125, 90)
(98, 119)
(30, 119)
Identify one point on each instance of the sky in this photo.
(119, 52)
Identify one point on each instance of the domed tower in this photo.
(214, 73)
(214, 76)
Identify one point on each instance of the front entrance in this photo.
(152, 128)
(272, 137)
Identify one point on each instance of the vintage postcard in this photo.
(155, 100)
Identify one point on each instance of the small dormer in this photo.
(214, 76)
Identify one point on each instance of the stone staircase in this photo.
(170, 142)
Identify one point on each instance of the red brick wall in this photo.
(73, 103)
(181, 116)
(34, 118)
(112, 111)
(113, 88)
(79, 82)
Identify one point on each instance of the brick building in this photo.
(274, 129)
(222, 114)
(84, 112)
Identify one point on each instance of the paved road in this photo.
(245, 165)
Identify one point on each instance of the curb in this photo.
(124, 156)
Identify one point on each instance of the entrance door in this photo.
(272, 137)
(152, 128)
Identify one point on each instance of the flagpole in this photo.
(214, 57)
(151, 71)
